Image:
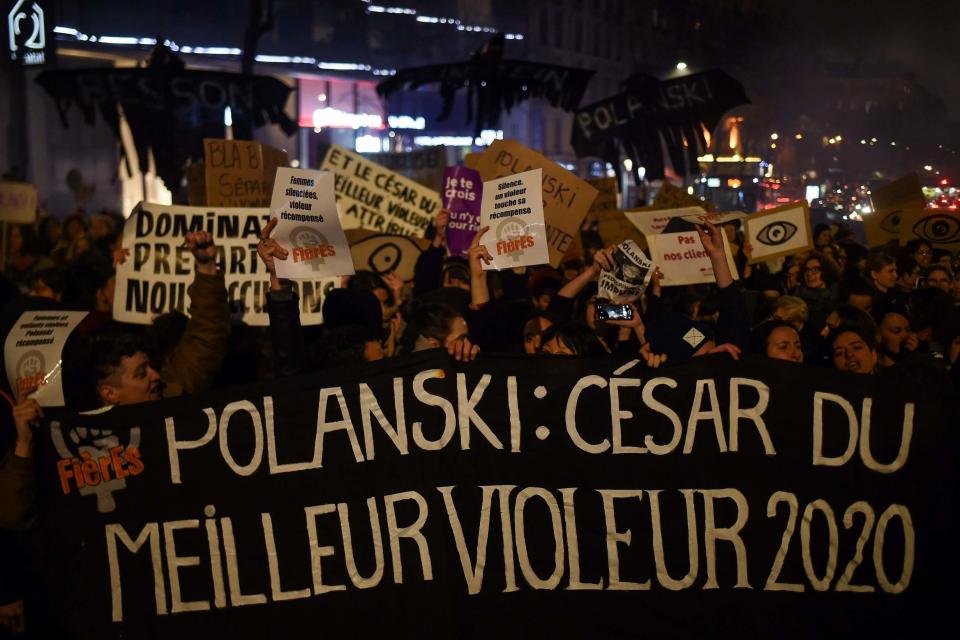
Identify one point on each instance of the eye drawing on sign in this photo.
(891, 222)
(303, 237)
(385, 258)
(512, 231)
(938, 229)
(96, 462)
(777, 233)
(18, 14)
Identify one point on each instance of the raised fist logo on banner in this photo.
(96, 462)
(310, 245)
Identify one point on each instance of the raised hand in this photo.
(26, 417)
(440, 224)
(269, 249)
(463, 350)
(200, 244)
(711, 237)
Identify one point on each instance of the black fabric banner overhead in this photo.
(508, 497)
(170, 109)
(651, 115)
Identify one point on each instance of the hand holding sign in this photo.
(269, 249)
(26, 417)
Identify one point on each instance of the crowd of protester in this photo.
(842, 305)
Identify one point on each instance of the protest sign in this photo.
(18, 202)
(675, 246)
(567, 198)
(671, 197)
(507, 497)
(424, 166)
(155, 278)
(903, 193)
(939, 227)
(631, 273)
(240, 173)
(778, 232)
(606, 199)
(384, 253)
(370, 196)
(889, 203)
(33, 354)
(462, 193)
(308, 226)
(512, 208)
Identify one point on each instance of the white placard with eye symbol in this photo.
(939, 227)
(780, 231)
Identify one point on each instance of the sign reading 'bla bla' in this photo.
(509, 497)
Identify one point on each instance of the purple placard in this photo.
(461, 196)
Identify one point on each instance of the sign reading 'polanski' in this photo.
(156, 277)
(770, 499)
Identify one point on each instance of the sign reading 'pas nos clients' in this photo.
(508, 497)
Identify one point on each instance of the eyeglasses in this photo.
(812, 270)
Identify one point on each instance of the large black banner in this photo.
(509, 497)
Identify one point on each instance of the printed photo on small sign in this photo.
(462, 194)
(385, 253)
(33, 354)
(513, 209)
(240, 173)
(939, 227)
(650, 220)
(156, 277)
(566, 198)
(308, 226)
(683, 260)
(780, 231)
(18, 202)
(370, 196)
(631, 273)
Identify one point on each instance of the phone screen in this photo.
(614, 312)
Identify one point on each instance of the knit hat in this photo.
(677, 336)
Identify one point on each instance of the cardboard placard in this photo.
(606, 199)
(939, 227)
(370, 196)
(513, 209)
(671, 197)
(240, 173)
(903, 193)
(308, 226)
(384, 252)
(462, 195)
(33, 353)
(156, 276)
(18, 202)
(778, 232)
(614, 228)
(567, 198)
